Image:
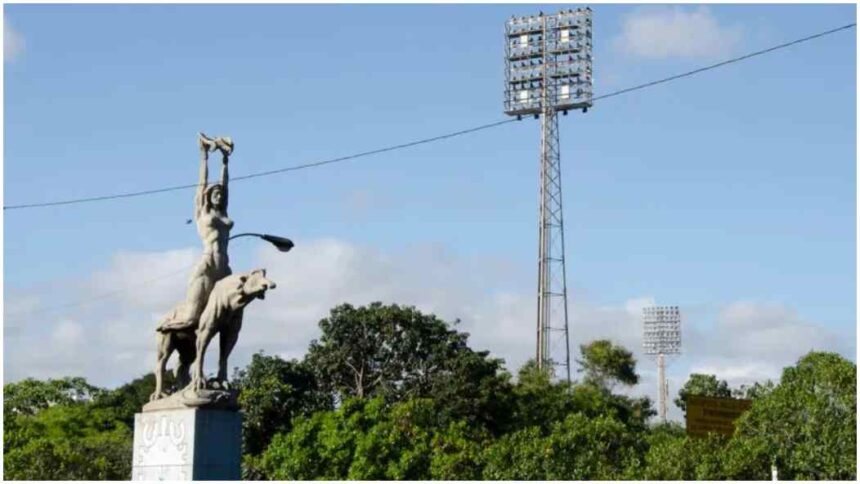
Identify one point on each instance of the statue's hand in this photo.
(206, 143)
(225, 144)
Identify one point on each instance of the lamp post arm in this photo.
(283, 244)
(246, 234)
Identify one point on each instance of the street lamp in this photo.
(283, 244)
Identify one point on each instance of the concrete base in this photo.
(186, 444)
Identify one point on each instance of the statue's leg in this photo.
(204, 336)
(229, 336)
(187, 315)
(198, 293)
(165, 348)
(185, 348)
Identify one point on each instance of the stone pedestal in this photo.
(186, 444)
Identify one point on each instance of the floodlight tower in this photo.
(547, 70)
(662, 336)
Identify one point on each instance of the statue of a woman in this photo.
(213, 225)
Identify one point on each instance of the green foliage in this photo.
(29, 396)
(457, 451)
(673, 456)
(399, 353)
(128, 399)
(74, 440)
(390, 393)
(398, 445)
(755, 391)
(537, 400)
(606, 364)
(322, 446)
(372, 440)
(703, 385)
(600, 433)
(806, 425)
(576, 448)
(272, 392)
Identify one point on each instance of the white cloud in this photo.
(359, 202)
(666, 32)
(112, 341)
(13, 42)
(67, 332)
(145, 280)
(752, 341)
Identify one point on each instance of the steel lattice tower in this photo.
(552, 276)
(548, 69)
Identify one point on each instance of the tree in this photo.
(806, 425)
(538, 401)
(73, 441)
(103, 456)
(30, 396)
(606, 364)
(755, 391)
(576, 448)
(399, 353)
(703, 385)
(673, 456)
(369, 439)
(272, 392)
(456, 453)
(129, 399)
(321, 446)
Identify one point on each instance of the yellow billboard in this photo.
(713, 414)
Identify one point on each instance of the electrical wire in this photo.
(723, 63)
(383, 150)
(265, 173)
(106, 295)
(425, 140)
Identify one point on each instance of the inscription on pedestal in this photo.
(186, 444)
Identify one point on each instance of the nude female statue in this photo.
(176, 331)
(213, 226)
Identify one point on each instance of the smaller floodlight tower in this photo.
(662, 325)
(547, 70)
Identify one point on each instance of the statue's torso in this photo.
(214, 229)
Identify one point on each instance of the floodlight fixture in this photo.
(662, 330)
(548, 61)
(662, 337)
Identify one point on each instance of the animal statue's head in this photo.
(254, 285)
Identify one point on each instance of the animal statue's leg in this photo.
(185, 348)
(165, 348)
(204, 336)
(229, 336)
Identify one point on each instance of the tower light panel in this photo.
(549, 53)
(662, 325)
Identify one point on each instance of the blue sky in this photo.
(731, 194)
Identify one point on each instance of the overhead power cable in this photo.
(382, 150)
(265, 173)
(428, 140)
(723, 63)
(106, 295)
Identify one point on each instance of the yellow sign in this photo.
(713, 414)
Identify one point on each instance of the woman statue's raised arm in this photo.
(206, 145)
(226, 147)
